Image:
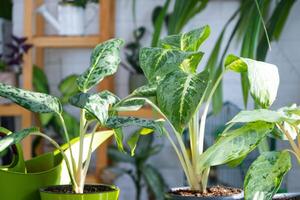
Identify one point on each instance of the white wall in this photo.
(285, 54)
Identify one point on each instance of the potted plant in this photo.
(179, 91)
(11, 62)
(71, 16)
(97, 110)
(266, 173)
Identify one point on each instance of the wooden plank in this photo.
(145, 112)
(11, 110)
(66, 42)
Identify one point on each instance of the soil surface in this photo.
(67, 189)
(211, 192)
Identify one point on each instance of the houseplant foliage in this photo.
(97, 110)
(142, 173)
(179, 92)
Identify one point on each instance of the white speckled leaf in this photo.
(157, 62)
(33, 101)
(235, 144)
(96, 104)
(104, 62)
(265, 175)
(15, 137)
(179, 94)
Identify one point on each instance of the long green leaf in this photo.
(68, 87)
(104, 62)
(15, 137)
(264, 176)
(33, 101)
(179, 94)
(235, 144)
(40, 80)
(154, 181)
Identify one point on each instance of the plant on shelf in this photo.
(179, 92)
(96, 110)
(141, 172)
(14, 59)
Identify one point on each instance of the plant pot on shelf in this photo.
(136, 80)
(7, 77)
(97, 192)
(173, 196)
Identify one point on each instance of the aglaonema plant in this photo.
(98, 110)
(177, 91)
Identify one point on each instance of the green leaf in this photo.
(33, 101)
(96, 104)
(265, 115)
(72, 125)
(15, 137)
(189, 41)
(40, 80)
(104, 62)
(148, 90)
(116, 156)
(68, 88)
(263, 78)
(265, 175)
(129, 105)
(119, 122)
(179, 94)
(235, 144)
(157, 62)
(118, 134)
(154, 181)
(134, 138)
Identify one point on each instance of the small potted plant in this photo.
(177, 91)
(11, 62)
(97, 110)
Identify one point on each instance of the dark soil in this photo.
(211, 192)
(67, 189)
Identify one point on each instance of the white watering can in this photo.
(70, 20)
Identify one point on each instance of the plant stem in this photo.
(205, 175)
(69, 142)
(74, 184)
(293, 144)
(80, 164)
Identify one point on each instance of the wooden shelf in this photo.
(66, 41)
(145, 112)
(11, 110)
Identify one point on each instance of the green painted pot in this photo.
(112, 194)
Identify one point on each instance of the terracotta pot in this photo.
(113, 194)
(7, 78)
(178, 197)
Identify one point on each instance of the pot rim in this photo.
(113, 187)
(287, 194)
(234, 196)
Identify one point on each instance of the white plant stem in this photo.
(292, 142)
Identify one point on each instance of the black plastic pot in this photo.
(171, 196)
(287, 196)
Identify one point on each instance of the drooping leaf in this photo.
(158, 62)
(246, 116)
(235, 144)
(179, 94)
(116, 156)
(15, 137)
(104, 62)
(68, 88)
(96, 104)
(33, 101)
(119, 122)
(263, 78)
(154, 181)
(134, 138)
(265, 175)
(119, 135)
(189, 41)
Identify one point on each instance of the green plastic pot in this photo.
(108, 195)
(21, 180)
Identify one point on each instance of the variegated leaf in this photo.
(235, 144)
(265, 175)
(96, 104)
(129, 105)
(189, 41)
(263, 78)
(119, 122)
(33, 101)
(148, 90)
(179, 94)
(157, 62)
(15, 137)
(104, 62)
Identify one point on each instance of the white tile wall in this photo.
(285, 54)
